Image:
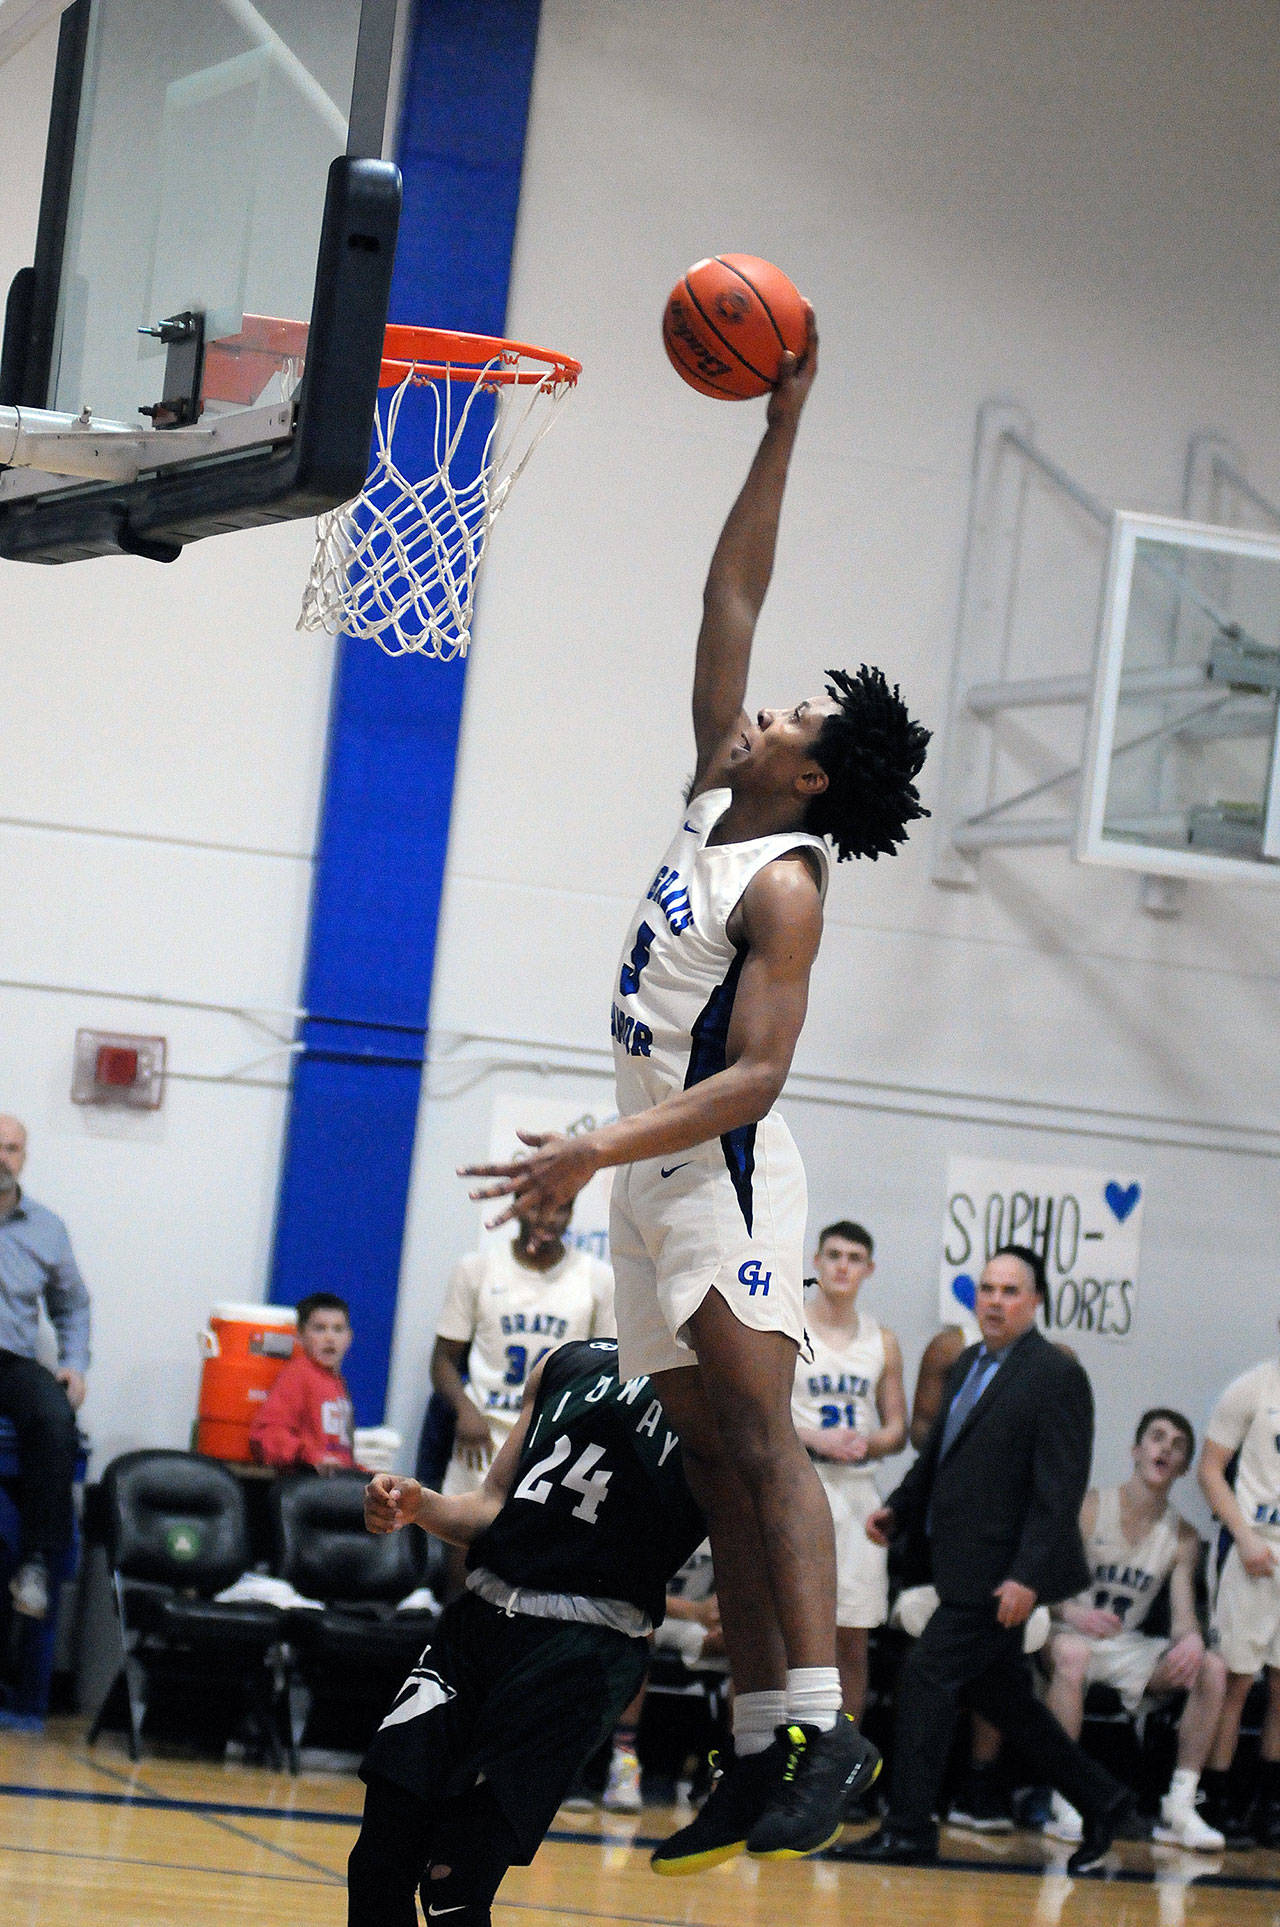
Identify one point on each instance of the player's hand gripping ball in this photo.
(729, 321)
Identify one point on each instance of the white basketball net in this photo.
(398, 566)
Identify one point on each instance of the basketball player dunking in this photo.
(708, 1221)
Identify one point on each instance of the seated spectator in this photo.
(1134, 1541)
(306, 1417)
(850, 1409)
(36, 1263)
(1246, 1612)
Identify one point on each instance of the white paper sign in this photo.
(585, 1108)
(1087, 1226)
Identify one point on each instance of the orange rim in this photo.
(237, 367)
(432, 353)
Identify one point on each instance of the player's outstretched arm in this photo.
(391, 1501)
(781, 926)
(741, 567)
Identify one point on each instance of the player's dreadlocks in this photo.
(870, 751)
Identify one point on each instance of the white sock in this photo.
(755, 1718)
(813, 1696)
(1182, 1787)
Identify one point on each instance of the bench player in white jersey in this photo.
(1134, 1541)
(708, 1219)
(850, 1409)
(1246, 1613)
(505, 1308)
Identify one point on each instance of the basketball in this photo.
(729, 321)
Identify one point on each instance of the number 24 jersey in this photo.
(599, 1505)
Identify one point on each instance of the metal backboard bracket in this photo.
(979, 808)
(971, 816)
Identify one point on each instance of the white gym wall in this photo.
(1075, 208)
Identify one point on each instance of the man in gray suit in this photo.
(990, 1513)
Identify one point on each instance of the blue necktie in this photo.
(976, 1381)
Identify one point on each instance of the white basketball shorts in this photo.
(729, 1219)
(1126, 1664)
(862, 1569)
(1246, 1615)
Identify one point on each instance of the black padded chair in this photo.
(350, 1658)
(175, 1534)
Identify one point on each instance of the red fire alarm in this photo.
(115, 1065)
(120, 1070)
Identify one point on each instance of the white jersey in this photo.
(837, 1390)
(511, 1316)
(1126, 1578)
(1246, 1419)
(673, 995)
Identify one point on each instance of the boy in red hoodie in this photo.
(306, 1418)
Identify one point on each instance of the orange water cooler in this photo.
(244, 1347)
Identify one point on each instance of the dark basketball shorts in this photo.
(517, 1701)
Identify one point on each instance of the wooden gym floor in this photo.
(86, 1837)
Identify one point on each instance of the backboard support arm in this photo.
(974, 815)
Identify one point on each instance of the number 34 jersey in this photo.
(599, 1505)
(674, 990)
(511, 1316)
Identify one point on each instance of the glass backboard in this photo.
(205, 135)
(1182, 766)
(200, 154)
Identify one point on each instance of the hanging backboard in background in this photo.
(213, 167)
(1182, 763)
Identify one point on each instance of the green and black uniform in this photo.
(528, 1671)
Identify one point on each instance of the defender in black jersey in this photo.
(582, 1519)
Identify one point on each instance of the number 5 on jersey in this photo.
(629, 981)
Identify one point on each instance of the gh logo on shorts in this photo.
(755, 1279)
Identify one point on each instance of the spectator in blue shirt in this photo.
(36, 1263)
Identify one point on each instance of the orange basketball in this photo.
(729, 321)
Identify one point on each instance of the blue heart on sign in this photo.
(963, 1288)
(1122, 1198)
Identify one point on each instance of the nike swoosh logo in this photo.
(434, 1913)
(693, 827)
(669, 1170)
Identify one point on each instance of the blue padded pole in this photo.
(393, 731)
